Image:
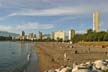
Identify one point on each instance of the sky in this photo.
(51, 15)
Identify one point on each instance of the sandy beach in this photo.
(55, 54)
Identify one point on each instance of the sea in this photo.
(17, 56)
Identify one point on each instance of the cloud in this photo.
(26, 26)
(64, 19)
(65, 10)
(80, 31)
(33, 26)
(48, 12)
(5, 27)
(1, 18)
(0, 4)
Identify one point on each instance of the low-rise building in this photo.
(59, 35)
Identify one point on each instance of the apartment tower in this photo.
(71, 34)
(96, 22)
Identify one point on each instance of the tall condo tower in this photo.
(96, 22)
(71, 34)
(22, 33)
(40, 35)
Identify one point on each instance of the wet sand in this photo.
(51, 54)
(33, 63)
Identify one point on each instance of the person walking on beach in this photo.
(65, 56)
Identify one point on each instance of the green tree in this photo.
(105, 37)
(59, 39)
(89, 31)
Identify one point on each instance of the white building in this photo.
(30, 36)
(59, 35)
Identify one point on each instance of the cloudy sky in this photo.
(51, 15)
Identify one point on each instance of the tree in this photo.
(105, 37)
(59, 39)
(89, 31)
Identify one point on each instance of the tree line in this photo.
(91, 36)
(3, 38)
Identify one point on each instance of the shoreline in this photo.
(51, 54)
(32, 65)
(45, 60)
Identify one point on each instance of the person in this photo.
(28, 57)
(65, 56)
(88, 50)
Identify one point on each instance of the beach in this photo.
(52, 55)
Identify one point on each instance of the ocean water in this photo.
(14, 56)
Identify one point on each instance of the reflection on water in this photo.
(13, 56)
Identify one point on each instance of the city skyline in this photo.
(51, 15)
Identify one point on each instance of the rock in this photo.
(76, 52)
(57, 70)
(67, 69)
(51, 71)
(97, 66)
(104, 68)
(81, 70)
(99, 63)
(64, 70)
(71, 46)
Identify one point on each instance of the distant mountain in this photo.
(6, 34)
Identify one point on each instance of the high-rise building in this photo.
(59, 35)
(52, 35)
(22, 33)
(40, 35)
(22, 36)
(35, 37)
(96, 22)
(30, 35)
(71, 34)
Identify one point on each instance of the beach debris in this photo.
(103, 46)
(52, 60)
(76, 52)
(71, 46)
(106, 52)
